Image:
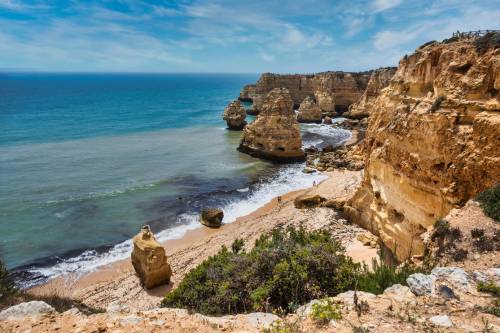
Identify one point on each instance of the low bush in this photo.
(326, 310)
(7, 286)
(286, 268)
(447, 239)
(426, 44)
(493, 308)
(489, 201)
(490, 288)
(382, 276)
(476, 233)
(490, 40)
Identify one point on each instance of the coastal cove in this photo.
(135, 150)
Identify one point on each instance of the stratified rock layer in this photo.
(234, 115)
(333, 91)
(247, 93)
(378, 80)
(149, 260)
(309, 112)
(432, 143)
(275, 133)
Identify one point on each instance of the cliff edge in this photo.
(433, 141)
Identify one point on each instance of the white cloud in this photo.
(381, 5)
(266, 56)
(391, 39)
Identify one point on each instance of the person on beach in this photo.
(314, 183)
(279, 200)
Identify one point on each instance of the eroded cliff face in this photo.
(379, 79)
(275, 133)
(432, 143)
(333, 91)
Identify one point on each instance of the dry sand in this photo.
(118, 282)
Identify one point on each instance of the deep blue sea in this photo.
(87, 159)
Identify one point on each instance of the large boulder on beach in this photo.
(234, 115)
(212, 217)
(309, 111)
(149, 260)
(275, 133)
(308, 201)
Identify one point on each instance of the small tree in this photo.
(7, 286)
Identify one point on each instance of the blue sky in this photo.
(227, 36)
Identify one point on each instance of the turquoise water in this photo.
(85, 160)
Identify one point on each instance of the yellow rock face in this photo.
(275, 134)
(149, 260)
(432, 143)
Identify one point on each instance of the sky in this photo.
(222, 36)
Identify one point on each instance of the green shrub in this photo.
(426, 44)
(450, 40)
(325, 310)
(490, 288)
(382, 276)
(7, 286)
(490, 202)
(493, 308)
(490, 40)
(284, 269)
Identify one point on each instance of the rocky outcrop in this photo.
(433, 142)
(378, 80)
(308, 201)
(33, 309)
(275, 133)
(309, 111)
(149, 260)
(247, 94)
(212, 217)
(333, 91)
(234, 115)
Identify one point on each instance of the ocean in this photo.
(87, 159)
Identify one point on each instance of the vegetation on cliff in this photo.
(285, 269)
(7, 286)
(490, 202)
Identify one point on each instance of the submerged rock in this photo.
(212, 217)
(275, 134)
(234, 115)
(149, 260)
(327, 121)
(309, 111)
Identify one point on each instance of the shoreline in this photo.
(117, 281)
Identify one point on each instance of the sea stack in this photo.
(275, 134)
(149, 260)
(309, 111)
(234, 115)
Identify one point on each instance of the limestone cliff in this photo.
(309, 111)
(247, 93)
(378, 80)
(234, 115)
(333, 91)
(275, 134)
(433, 141)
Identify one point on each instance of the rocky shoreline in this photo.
(425, 143)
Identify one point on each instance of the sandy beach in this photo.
(118, 282)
